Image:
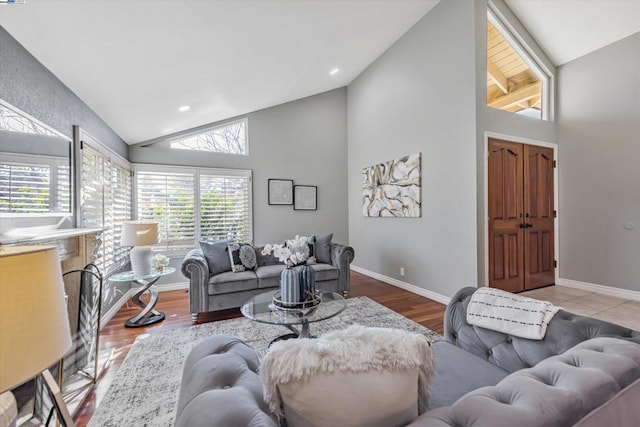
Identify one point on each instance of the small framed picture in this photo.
(280, 191)
(305, 197)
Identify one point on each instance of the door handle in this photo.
(525, 225)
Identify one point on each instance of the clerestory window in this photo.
(12, 120)
(229, 138)
(515, 80)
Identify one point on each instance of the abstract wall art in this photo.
(280, 191)
(393, 188)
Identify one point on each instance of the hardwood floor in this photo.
(175, 304)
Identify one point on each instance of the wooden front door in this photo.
(521, 216)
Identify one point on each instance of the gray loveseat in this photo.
(585, 373)
(228, 289)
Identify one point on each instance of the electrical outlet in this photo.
(402, 271)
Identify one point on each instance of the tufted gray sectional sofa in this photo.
(584, 373)
(488, 378)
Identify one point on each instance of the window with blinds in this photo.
(194, 204)
(169, 198)
(106, 202)
(224, 207)
(34, 184)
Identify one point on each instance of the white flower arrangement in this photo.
(294, 252)
(159, 261)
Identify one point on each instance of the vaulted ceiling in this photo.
(136, 62)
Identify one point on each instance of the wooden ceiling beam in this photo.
(512, 98)
(497, 76)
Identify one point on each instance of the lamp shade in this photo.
(34, 326)
(139, 233)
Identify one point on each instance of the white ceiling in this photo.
(135, 62)
(569, 29)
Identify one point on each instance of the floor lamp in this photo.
(34, 325)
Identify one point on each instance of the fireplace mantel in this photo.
(34, 236)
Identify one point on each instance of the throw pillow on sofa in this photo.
(217, 256)
(366, 376)
(242, 257)
(323, 248)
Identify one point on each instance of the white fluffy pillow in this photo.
(352, 377)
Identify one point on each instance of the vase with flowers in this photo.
(159, 262)
(297, 281)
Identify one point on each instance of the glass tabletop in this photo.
(127, 276)
(261, 309)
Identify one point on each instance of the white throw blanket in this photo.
(511, 314)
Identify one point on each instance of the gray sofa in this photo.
(227, 289)
(585, 373)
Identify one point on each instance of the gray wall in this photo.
(599, 138)
(31, 87)
(303, 140)
(419, 96)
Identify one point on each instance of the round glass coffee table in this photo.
(261, 309)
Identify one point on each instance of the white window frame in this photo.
(209, 128)
(179, 250)
(528, 55)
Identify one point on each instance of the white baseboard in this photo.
(106, 317)
(172, 286)
(600, 289)
(402, 285)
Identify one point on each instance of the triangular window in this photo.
(515, 82)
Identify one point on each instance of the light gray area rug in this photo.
(146, 388)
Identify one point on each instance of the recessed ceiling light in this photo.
(334, 71)
(184, 108)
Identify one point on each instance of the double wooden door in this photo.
(521, 216)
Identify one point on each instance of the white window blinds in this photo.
(224, 207)
(106, 201)
(34, 184)
(194, 204)
(168, 197)
(24, 188)
(121, 206)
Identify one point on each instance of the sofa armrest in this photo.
(196, 269)
(221, 386)
(512, 353)
(341, 258)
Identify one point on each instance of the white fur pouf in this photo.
(351, 377)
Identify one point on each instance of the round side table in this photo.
(148, 315)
